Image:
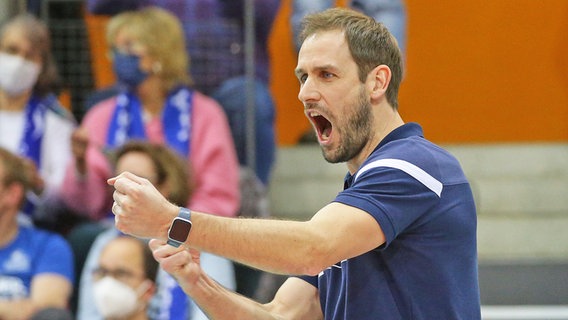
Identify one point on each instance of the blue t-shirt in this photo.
(32, 252)
(427, 268)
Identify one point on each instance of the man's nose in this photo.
(308, 92)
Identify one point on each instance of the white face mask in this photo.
(17, 74)
(115, 299)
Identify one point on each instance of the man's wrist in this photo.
(172, 213)
(180, 228)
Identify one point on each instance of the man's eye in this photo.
(327, 75)
(303, 78)
(121, 273)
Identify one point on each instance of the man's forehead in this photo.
(327, 48)
(324, 38)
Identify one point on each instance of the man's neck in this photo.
(392, 120)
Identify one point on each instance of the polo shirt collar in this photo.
(405, 131)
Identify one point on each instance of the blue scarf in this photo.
(34, 128)
(126, 122)
(30, 145)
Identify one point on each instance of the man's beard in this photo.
(355, 134)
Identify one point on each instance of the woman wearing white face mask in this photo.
(32, 121)
(124, 281)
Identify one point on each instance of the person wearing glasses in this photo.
(167, 170)
(125, 280)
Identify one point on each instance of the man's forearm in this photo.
(220, 303)
(277, 246)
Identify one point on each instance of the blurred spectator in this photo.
(168, 172)
(391, 13)
(124, 280)
(32, 122)
(157, 104)
(214, 31)
(36, 266)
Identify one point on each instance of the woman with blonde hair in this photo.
(156, 103)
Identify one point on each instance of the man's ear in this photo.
(147, 294)
(378, 81)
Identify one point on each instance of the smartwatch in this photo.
(179, 229)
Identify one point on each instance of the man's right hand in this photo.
(139, 208)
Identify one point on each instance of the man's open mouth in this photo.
(322, 125)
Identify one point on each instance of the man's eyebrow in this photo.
(325, 67)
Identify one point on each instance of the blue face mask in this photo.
(127, 69)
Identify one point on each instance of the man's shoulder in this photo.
(415, 149)
(418, 152)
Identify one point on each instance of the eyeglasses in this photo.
(119, 274)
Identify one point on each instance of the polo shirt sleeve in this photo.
(392, 196)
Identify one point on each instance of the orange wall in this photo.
(100, 64)
(495, 71)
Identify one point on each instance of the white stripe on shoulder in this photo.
(414, 171)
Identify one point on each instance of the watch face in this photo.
(180, 229)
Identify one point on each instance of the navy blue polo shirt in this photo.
(427, 268)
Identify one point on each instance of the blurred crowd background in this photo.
(487, 80)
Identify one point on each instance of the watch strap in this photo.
(184, 214)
